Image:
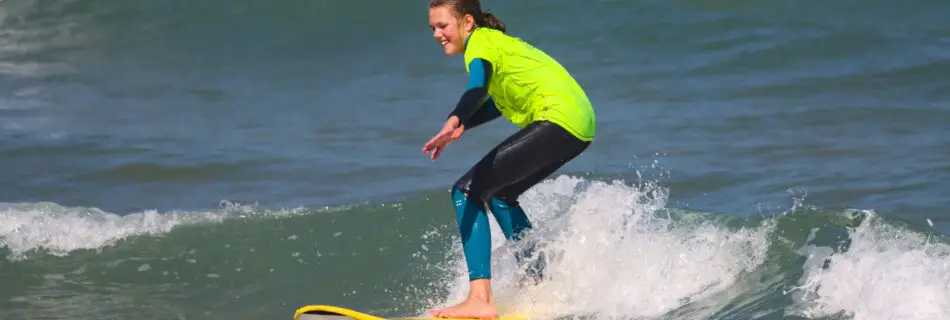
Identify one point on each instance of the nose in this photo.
(437, 34)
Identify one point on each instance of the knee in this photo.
(458, 193)
(464, 189)
(509, 200)
(463, 184)
(458, 196)
(461, 195)
(465, 197)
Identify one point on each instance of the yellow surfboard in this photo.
(325, 312)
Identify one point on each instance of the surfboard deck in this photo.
(327, 312)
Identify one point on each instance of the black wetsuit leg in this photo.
(521, 161)
(498, 179)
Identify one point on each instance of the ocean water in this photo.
(240, 159)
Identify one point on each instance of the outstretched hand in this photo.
(450, 132)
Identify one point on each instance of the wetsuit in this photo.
(508, 77)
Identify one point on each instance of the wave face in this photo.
(612, 250)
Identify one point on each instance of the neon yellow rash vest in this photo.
(527, 85)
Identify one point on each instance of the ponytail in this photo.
(473, 7)
(490, 21)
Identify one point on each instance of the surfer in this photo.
(511, 78)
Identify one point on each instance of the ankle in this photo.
(480, 290)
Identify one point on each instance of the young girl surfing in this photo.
(510, 78)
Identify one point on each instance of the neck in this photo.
(469, 36)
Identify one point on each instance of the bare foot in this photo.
(470, 308)
(479, 304)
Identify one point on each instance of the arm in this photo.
(487, 112)
(469, 110)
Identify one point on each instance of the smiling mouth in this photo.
(444, 42)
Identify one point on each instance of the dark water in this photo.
(754, 160)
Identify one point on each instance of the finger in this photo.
(432, 143)
(429, 144)
(429, 148)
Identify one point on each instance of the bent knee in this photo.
(461, 196)
(459, 193)
(510, 200)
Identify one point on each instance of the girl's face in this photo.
(448, 30)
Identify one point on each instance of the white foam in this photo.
(59, 230)
(613, 254)
(886, 273)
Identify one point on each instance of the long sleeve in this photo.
(475, 107)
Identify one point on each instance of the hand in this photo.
(450, 132)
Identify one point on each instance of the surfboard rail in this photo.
(328, 312)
